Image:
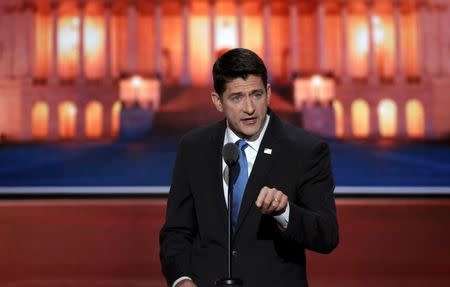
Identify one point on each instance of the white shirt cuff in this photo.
(283, 219)
(180, 279)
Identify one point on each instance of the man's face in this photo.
(244, 103)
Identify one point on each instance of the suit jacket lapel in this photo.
(261, 167)
(215, 171)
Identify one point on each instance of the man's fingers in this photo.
(277, 202)
(283, 203)
(271, 200)
(267, 202)
(273, 206)
(261, 196)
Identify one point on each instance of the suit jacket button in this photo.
(234, 253)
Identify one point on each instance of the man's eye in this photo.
(236, 98)
(257, 95)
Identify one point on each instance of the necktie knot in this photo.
(242, 144)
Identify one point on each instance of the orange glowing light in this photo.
(387, 118)
(362, 41)
(68, 38)
(72, 111)
(94, 47)
(94, 120)
(378, 30)
(226, 35)
(39, 120)
(136, 82)
(362, 35)
(68, 44)
(415, 119)
(75, 21)
(339, 118)
(67, 120)
(115, 119)
(316, 80)
(360, 118)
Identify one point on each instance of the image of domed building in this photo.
(342, 68)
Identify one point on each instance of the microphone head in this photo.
(230, 153)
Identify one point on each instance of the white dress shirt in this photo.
(250, 152)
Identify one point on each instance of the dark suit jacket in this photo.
(193, 240)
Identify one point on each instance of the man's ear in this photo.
(269, 92)
(217, 101)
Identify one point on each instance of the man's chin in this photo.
(250, 134)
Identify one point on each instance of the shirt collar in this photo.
(230, 136)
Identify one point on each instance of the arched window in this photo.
(67, 113)
(387, 118)
(338, 118)
(94, 120)
(360, 118)
(39, 120)
(115, 119)
(415, 120)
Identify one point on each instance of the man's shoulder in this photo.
(301, 143)
(203, 134)
(299, 136)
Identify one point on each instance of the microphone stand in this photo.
(229, 281)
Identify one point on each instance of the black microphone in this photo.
(230, 153)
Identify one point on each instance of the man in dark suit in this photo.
(284, 198)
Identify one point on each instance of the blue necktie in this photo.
(241, 181)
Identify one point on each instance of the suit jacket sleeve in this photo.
(180, 228)
(312, 218)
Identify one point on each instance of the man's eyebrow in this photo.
(257, 91)
(251, 93)
(236, 94)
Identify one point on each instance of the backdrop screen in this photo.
(145, 167)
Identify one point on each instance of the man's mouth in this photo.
(249, 121)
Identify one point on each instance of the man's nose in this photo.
(249, 107)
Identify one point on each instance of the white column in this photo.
(107, 22)
(239, 16)
(81, 16)
(266, 38)
(320, 18)
(348, 129)
(158, 39)
(401, 119)
(53, 121)
(443, 45)
(132, 39)
(3, 68)
(30, 11)
(422, 41)
(437, 13)
(446, 19)
(185, 75)
(107, 118)
(374, 130)
(13, 21)
(293, 35)
(344, 44)
(212, 30)
(54, 77)
(373, 77)
(399, 75)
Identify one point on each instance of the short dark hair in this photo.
(237, 63)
